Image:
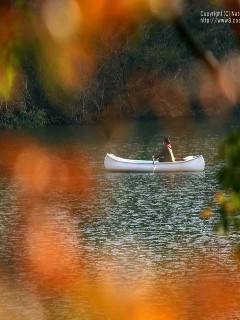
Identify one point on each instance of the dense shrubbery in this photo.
(35, 118)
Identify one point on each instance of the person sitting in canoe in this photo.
(166, 154)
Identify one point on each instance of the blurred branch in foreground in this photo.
(207, 57)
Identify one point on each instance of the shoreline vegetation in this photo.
(151, 73)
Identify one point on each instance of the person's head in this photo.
(166, 140)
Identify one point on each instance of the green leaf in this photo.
(7, 82)
(236, 224)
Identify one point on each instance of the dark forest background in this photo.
(151, 72)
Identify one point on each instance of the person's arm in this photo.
(160, 155)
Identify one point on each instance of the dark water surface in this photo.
(133, 228)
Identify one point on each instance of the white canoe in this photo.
(190, 163)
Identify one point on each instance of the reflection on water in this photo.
(142, 232)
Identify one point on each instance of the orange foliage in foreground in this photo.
(39, 169)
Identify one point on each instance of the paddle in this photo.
(154, 166)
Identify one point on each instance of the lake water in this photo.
(138, 231)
